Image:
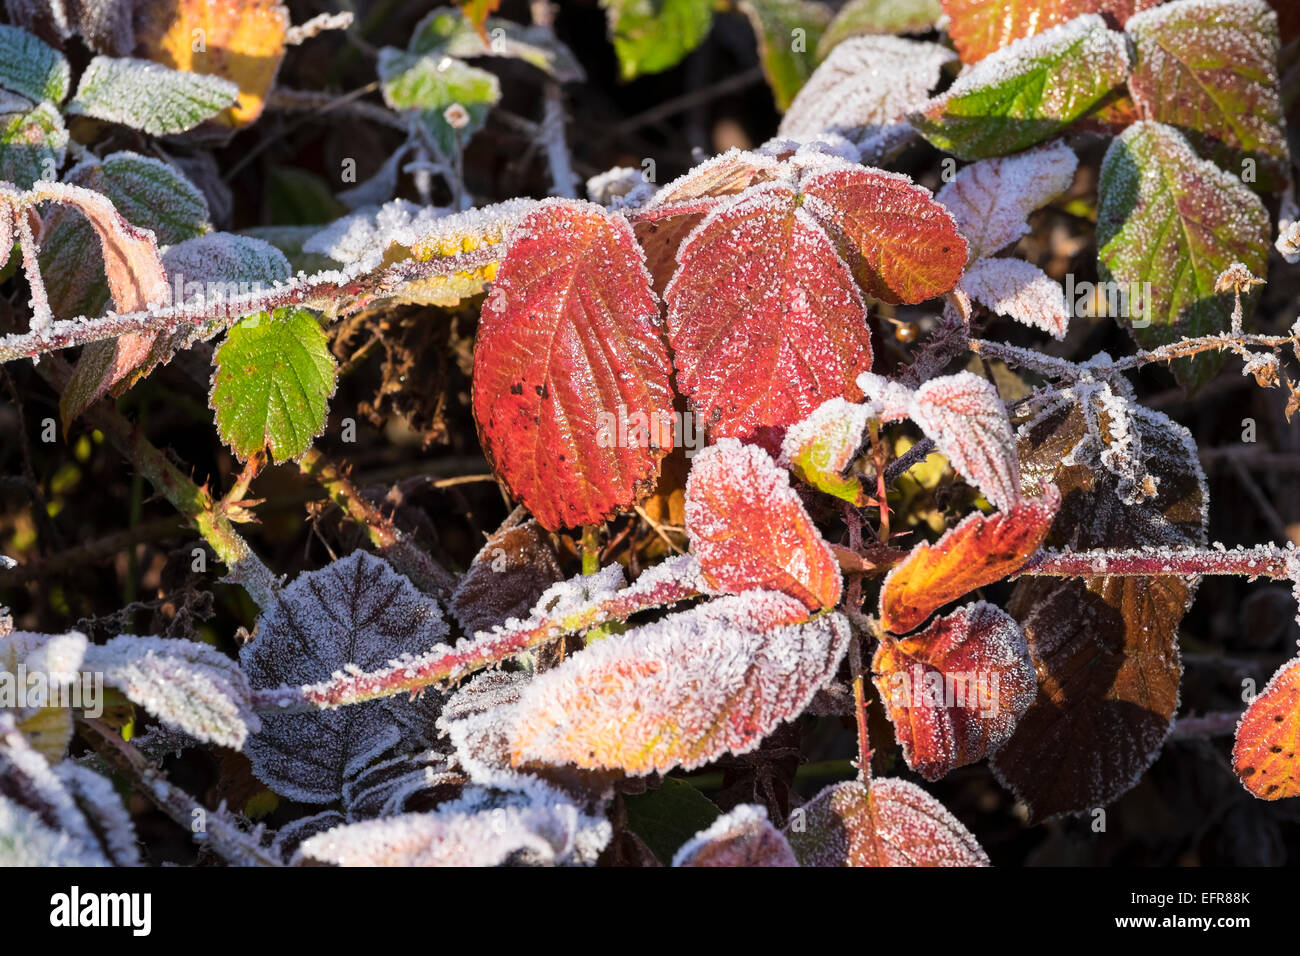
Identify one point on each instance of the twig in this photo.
(1221, 723)
(1262, 561)
(917, 453)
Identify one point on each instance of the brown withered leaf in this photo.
(506, 578)
(1105, 647)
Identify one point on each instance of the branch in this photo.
(1266, 561)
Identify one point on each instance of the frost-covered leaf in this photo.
(571, 375)
(788, 32)
(672, 213)
(749, 530)
(682, 691)
(149, 193)
(763, 316)
(965, 416)
(979, 27)
(1168, 224)
(31, 67)
(822, 448)
(884, 823)
(506, 578)
(979, 550)
(863, 17)
(354, 613)
(188, 686)
(1268, 736)
(271, 383)
(992, 199)
(865, 87)
(150, 97)
(1105, 647)
(66, 816)
(243, 41)
(476, 830)
(1209, 69)
(32, 144)
(743, 837)
(1021, 290)
(955, 690)
(446, 32)
(1026, 92)
(901, 244)
(438, 87)
(651, 36)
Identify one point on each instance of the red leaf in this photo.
(886, 823)
(978, 27)
(749, 529)
(1268, 738)
(903, 246)
(978, 551)
(764, 318)
(569, 344)
(955, 690)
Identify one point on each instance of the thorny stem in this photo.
(860, 709)
(1267, 561)
(401, 552)
(882, 492)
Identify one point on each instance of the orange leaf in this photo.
(1268, 738)
(749, 529)
(978, 27)
(884, 823)
(238, 40)
(955, 690)
(978, 551)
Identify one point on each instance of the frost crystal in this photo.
(969, 425)
(1020, 290)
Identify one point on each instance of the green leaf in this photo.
(32, 144)
(651, 36)
(451, 97)
(446, 32)
(1175, 221)
(1209, 68)
(289, 240)
(788, 32)
(272, 381)
(147, 192)
(1026, 92)
(31, 67)
(150, 97)
(668, 817)
(866, 17)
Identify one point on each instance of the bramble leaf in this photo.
(1268, 736)
(743, 837)
(31, 67)
(243, 41)
(821, 448)
(864, 17)
(446, 32)
(992, 199)
(749, 530)
(355, 613)
(271, 382)
(449, 96)
(682, 691)
(667, 818)
(965, 416)
(979, 550)
(1105, 647)
(979, 27)
(650, 36)
(901, 244)
(1026, 92)
(569, 341)
(788, 32)
(1021, 290)
(32, 144)
(1209, 69)
(1169, 223)
(146, 96)
(505, 579)
(884, 823)
(763, 316)
(955, 690)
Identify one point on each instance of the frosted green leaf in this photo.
(452, 98)
(788, 32)
(1209, 68)
(32, 144)
(150, 97)
(1026, 92)
(669, 816)
(448, 32)
(866, 17)
(651, 36)
(31, 67)
(1169, 222)
(147, 192)
(272, 379)
(290, 241)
